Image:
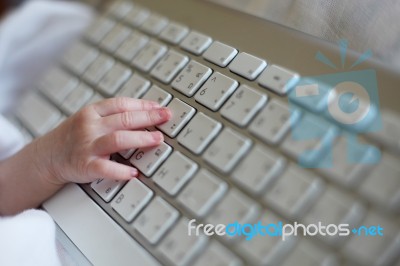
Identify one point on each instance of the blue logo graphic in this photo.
(344, 100)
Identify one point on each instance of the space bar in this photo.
(97, 236)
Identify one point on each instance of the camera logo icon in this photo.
(346, 104)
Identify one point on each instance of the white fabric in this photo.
(31, 38)
(11, 140)
(28, 239)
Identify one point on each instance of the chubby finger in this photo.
(136, 120)
(123, 140)
(123, 104)
(109, 169)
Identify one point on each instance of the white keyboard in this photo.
(227, 156)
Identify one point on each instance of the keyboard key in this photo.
(77, 99)
(179, 247)
(147, 160)
(119, 9)
(202, 193)
(310, 139)
(226, 150)
(216, 90)
(137, 16)
(107, 188)
(196, 43)
(175, 173)
(220, 54)
(217, 255)
(264, 165)
(199, 132)
(98, 69)
(156, 94)
(247, 66)
(174, 33)
(308, 253)
(191, 78)
(149, 56)
(234, 207)
(57, 84)
(131, 46)
(243, 105)
(169, 66)
(335, 207)
(154, 24)
(99, 29)
(114, 79)
(43, 119)
(274, 122)
(156, 220)
(388, 135)
(379, 250)
(294, 192)
(79, 57)
(182, 113)
(339, 165)
(278, 79)
(115, 37)
(264, 249)
(132, 199)
(135, 87)
(311, 94)
(382, 184)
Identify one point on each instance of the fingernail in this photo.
(164, 113)
(134, 172)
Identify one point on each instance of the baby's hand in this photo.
(79, 149)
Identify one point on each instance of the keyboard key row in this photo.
(275, 78)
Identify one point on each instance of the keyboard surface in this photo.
(228, 153)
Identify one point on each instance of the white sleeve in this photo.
(32, 38)
(11, 140)
(28, 239)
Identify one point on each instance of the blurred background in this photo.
(366, 24)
